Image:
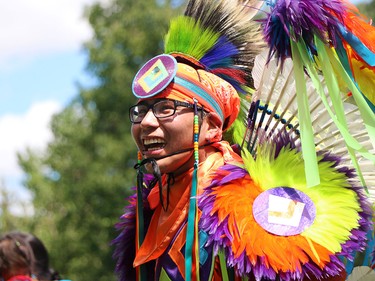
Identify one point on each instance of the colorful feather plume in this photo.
(275, 108)
(336, 23)
(228, 215)
(326, 40)
(300, 20)
(314, 82)
(224, 47)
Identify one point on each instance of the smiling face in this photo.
(157, 138)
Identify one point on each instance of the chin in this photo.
(165, 166)
(176, 164)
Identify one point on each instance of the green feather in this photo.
(187, 36)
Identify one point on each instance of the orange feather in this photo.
(282, 253)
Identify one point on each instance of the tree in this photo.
(368, 9)
(9, 204)
(79, 185)
(7, 219)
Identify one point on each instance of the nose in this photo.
(149, 120)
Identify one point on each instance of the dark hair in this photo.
(15, 257)
(39, 258)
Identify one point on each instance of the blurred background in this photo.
(66, 153)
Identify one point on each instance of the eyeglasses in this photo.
(161, 109)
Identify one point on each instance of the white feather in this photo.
(362, 273)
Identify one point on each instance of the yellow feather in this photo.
(337, 206)
(365, 78)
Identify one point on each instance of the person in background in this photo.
(23, 257)
(40, 266)
(15, 259)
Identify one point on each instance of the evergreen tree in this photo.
(12, 210)
(80, 184)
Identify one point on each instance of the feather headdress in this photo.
(218, 36)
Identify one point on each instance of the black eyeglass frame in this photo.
(151, 106)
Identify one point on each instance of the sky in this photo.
(41, 61)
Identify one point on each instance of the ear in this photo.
(214, 132)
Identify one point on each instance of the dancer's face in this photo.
(159, 137)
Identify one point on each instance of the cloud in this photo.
(18, 132)
(35, 27)
(33, 32)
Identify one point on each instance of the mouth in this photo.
(153, 144)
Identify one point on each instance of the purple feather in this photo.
(235, 173)
(358, 238)
(300, 20)
(124, 243)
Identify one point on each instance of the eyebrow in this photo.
(149, 102)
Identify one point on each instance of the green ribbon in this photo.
(327, 55)
(335, 95)
(366, 112)
(223, 266)
(306, 130)
(190, 232)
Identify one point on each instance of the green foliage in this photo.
(9, 221)
(80, 183)
(367, 9)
